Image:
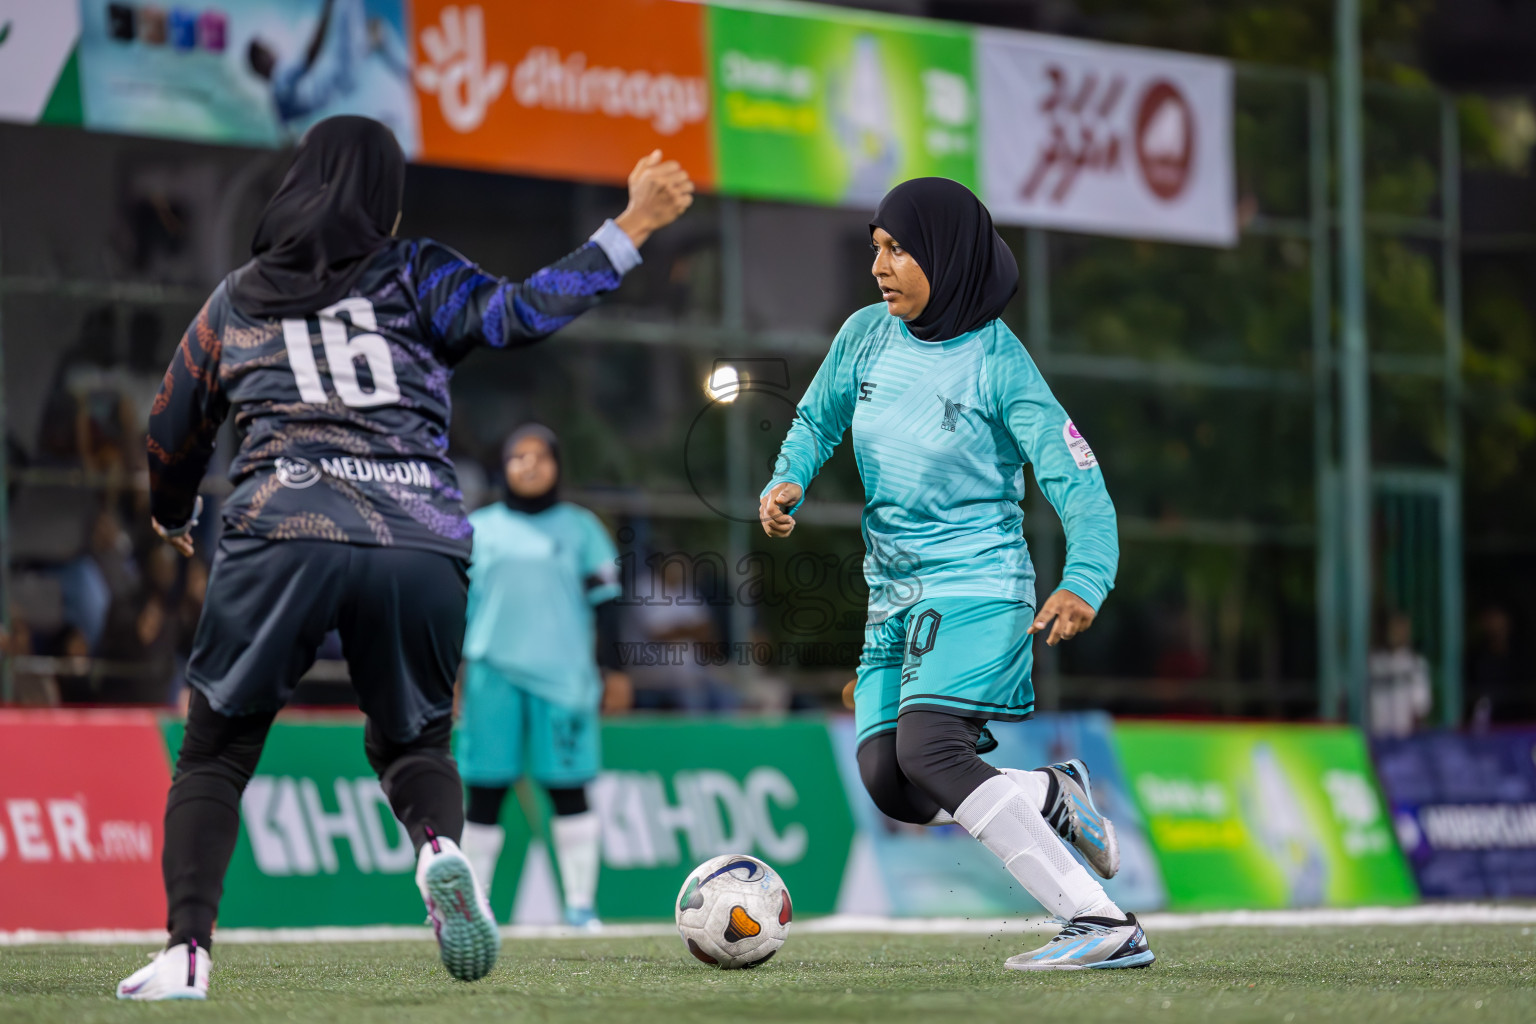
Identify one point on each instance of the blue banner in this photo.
(911, 871)
(254, 72)
(1465, 810)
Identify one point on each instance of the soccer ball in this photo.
(733, 911)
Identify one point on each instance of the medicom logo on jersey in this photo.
(297, 473)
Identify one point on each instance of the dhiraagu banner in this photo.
(836, 108)
(1259, 816)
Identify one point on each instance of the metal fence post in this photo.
(1354, 363)
(7, 678)
(1451, 596)
(1322, 401)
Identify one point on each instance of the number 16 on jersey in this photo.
(341, 355)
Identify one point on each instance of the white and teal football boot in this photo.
(1089, 943)
(467, 937)
(180, 972)
(1070, 810)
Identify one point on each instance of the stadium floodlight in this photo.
(723, 383)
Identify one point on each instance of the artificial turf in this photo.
(1357, 975)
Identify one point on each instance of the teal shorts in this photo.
(966, 656)
(504, 731)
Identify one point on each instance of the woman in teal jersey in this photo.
(539, 655)
(946, 408)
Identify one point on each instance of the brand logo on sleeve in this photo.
(865, 387)
(1078, 446)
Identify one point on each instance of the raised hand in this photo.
(659, 191)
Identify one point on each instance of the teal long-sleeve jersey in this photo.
(942, 432)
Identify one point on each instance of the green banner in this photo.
(674, 793)
(318, 843)
(838, 107)
(319, 846)
(1263, 816)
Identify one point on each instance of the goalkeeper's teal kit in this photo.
(941, 432)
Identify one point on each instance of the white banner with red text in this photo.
(1113, 140)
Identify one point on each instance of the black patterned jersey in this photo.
(342, 416)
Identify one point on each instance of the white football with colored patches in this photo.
(733, 912)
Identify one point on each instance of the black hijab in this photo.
(540, 502)
(335, 209)
(972, 274)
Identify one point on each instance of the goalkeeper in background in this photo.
(543, 590)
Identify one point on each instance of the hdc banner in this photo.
(1261, 816)
(82, 801)
(1465, 810)
(1114, 140)
(319, 845)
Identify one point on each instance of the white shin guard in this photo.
(1008, 822)
(481, 846)
(575, 839)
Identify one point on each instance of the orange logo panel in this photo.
(563, 90)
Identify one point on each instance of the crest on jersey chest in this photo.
(952, 412)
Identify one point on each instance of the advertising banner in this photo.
(564, 91)
(915, 871)
(1114, 140)
(39, 78)
(257, 72)
(82, 801)
(1465, 810)
(319, 845)
(1260, 816)
(836, 108)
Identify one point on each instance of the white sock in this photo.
(576, 852)
(1009, 824)
(482, 848)
(1032, 782)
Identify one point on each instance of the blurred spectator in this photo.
(1400, 693)
(671, 620)
(33, 689)
(1492, 669)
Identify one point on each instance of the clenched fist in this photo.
(659, 192)
(774, 508)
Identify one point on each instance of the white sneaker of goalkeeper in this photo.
(180, 972)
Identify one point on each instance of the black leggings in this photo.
(218, 756)
(484, 802)
(926, 763)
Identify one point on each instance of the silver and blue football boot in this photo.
(1089, 944)
(1070, 810)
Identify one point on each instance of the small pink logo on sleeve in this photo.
(1078, 446)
